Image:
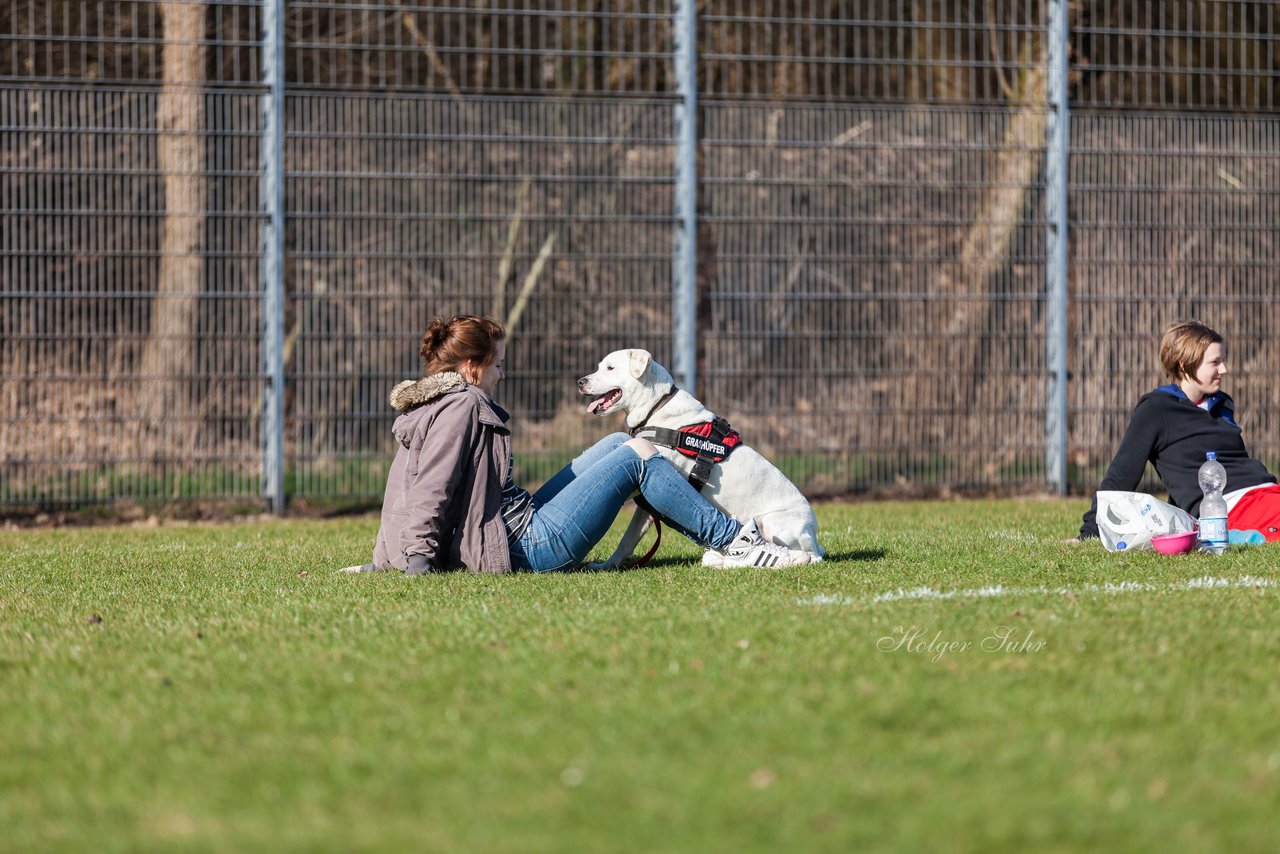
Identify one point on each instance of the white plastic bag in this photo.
(1128, 520)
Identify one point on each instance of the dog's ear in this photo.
(639, 362)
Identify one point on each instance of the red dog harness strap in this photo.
(707, 443)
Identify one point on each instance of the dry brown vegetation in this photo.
(873, 259)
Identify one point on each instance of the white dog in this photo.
(744, 485)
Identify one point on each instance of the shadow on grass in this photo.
(654, 563)
(860, 555)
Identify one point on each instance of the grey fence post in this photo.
(685, 261)
(1056, 250)
(273, 254)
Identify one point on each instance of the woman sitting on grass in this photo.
(450, 500)
(1174, 427)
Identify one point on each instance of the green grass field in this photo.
(954, 678)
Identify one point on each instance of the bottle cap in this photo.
(1211, 455)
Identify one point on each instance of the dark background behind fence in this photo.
(871, 242)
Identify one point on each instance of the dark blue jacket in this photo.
(1173, 434)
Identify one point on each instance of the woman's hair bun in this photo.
(434, 338)
(448, 344)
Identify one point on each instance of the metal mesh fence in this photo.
(96, 406)
(551, 217)
(562, 47)
(871, 235)
(931, 52)
(1173, 216)
(857, 279)
(1212, 55)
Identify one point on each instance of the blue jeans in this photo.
(574, 510)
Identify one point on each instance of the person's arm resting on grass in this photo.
(1137, 448)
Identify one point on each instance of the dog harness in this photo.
(707, 443)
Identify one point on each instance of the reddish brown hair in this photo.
(1183, 345)
(447, 344)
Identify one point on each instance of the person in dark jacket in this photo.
(1174, 426)
(451, 502)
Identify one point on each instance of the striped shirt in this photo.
(517, 506)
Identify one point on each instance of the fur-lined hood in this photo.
(413, 398)
(411, 393)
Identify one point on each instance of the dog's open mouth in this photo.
(602, 404)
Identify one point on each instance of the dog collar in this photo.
(662, 401)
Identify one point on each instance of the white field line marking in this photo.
(1206, 582)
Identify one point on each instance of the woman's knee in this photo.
(643, 447)
(598, 451)
(607, 444)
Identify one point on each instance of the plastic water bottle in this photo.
(1213, 510)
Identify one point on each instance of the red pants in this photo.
(1259, 511)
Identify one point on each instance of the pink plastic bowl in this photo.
(1174, 544)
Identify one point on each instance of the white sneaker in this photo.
(751, 549)
(713, 559)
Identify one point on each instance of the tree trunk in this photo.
(986, 246)
(169, 359)
(959, 314)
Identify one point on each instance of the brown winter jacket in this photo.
(443, 505)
